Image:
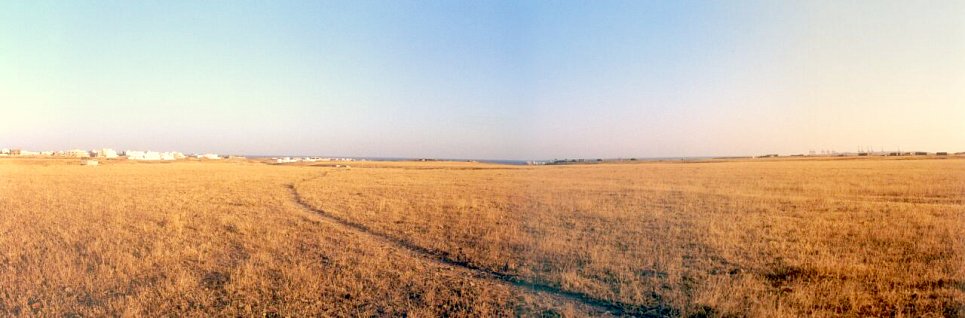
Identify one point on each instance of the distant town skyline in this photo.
(284, 158)
(483, 80)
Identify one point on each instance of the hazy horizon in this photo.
(483, 80)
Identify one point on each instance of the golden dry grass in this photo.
(746, 238)
(203, 239)
(759, 238)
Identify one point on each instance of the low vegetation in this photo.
(719, 238)
(207, 239)
(760, 238)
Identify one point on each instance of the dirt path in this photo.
(591, 304)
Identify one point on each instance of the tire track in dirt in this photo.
(599, 306)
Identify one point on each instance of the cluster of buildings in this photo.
(153, 155)
(308, 159)
(107, 153)
(864, 153)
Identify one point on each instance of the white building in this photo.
(210, 156)
(104, 153)
(153, 155)
(286, 160)
(133, 154)
(77, 153)
(142, 155)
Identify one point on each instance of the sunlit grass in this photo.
(770, 238)
(758, 238)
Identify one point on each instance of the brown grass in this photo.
(775, 238)
(755, 238)
(202, 239)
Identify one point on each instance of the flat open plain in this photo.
(821, 237)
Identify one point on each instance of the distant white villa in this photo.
(142, 155)
(286, 160)
(76, 153)
(172, 155)
(209, 156)
(104, 153)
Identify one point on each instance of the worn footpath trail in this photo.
(593, 305)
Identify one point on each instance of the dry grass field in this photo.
(868, 237)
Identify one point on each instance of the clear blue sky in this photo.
(483, 79)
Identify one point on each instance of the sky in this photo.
(483, 79)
